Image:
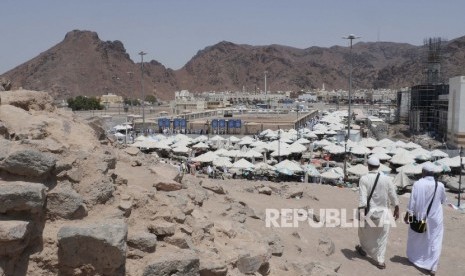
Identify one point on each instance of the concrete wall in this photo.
(456, 112)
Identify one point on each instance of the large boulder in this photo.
(29, 162)
(142, 240)
(101, 246)
(175, 262)
(21, 196)
(28, 100)
(14, 237)
(65, 203)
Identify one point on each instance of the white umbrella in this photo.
(181, 149)
(258, 144)
(331, 174)
(379, 150)
(200, 145)
(222, 162)
(322, 143)
(297, 148)
(310, 135)
(263, 166)
(303, 141)
(201, 138)
(368, 142)
(242, 164)
(384, 168)
(162, 145)
(334, 149)
(385, 143)
(402, 158)
(246, 140)
(234, 139)
(281, 152)
(451, 162)
(140, 138)
(217, 138)
(382, 156)
(221, 152)
(234, 153)
(411, 145)
(412, 168)
(358, 169)
(289, 165)
(252, 154)
(209, 156)
(119, 135)
(360, 150)
(439, 154)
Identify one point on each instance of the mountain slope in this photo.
(82, 64)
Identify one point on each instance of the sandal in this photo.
(360, 251)
(381, 266)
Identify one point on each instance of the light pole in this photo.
(142, 53)
(266, 94)
(460, 176)
(350, 37)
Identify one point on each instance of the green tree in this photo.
(84, 103)
(151, 99)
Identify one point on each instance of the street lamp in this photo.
(460, 176)
(142, 54)
(350, 37)
(266, 94)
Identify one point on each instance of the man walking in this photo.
(376, 193)
(424, 249)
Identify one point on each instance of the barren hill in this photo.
(82, 64)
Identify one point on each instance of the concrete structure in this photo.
(111, 98)
(456, 112)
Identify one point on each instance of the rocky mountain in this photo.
(82, 64)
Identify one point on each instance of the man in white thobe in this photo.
(424, 249)
(374, 227)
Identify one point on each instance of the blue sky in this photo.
(172, 31)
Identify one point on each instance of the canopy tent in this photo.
(381, 156)
(222, 162)
(281, 152)
(252, 154)
(334, 149)
(385, 143)
(242, 164)
(368, 142)
(402, 158)
(221, 152)
(201, 138)
(297, 148)
(234, 139)
(451, 162)
(358, 169)
(263, 166)
(289, 165)
(360, 150)
(439, 154)
(217, 138)
(209, 156)
(303, 141)
(246, 140)
(411, 145)
(379, 150)
(181, 149)
(332, 174)
(311, 170)
(200, 145)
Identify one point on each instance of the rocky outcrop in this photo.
(101, 246)
(29, 163)
(21, 197)
(14, 237)
(180, 262)
(28, 100)
(64, 202)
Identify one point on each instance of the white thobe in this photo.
(424, 249)
(373, 239)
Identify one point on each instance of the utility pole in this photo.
(266, 94)
(350, 37)
(142, 54)
(460, 176)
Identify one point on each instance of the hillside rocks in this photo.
(65, 203)
(21, 197)
(29, 163)
(14, 237)
(179, 262)
(103, 246)
(28, 100)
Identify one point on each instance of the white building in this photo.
(456, 111)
